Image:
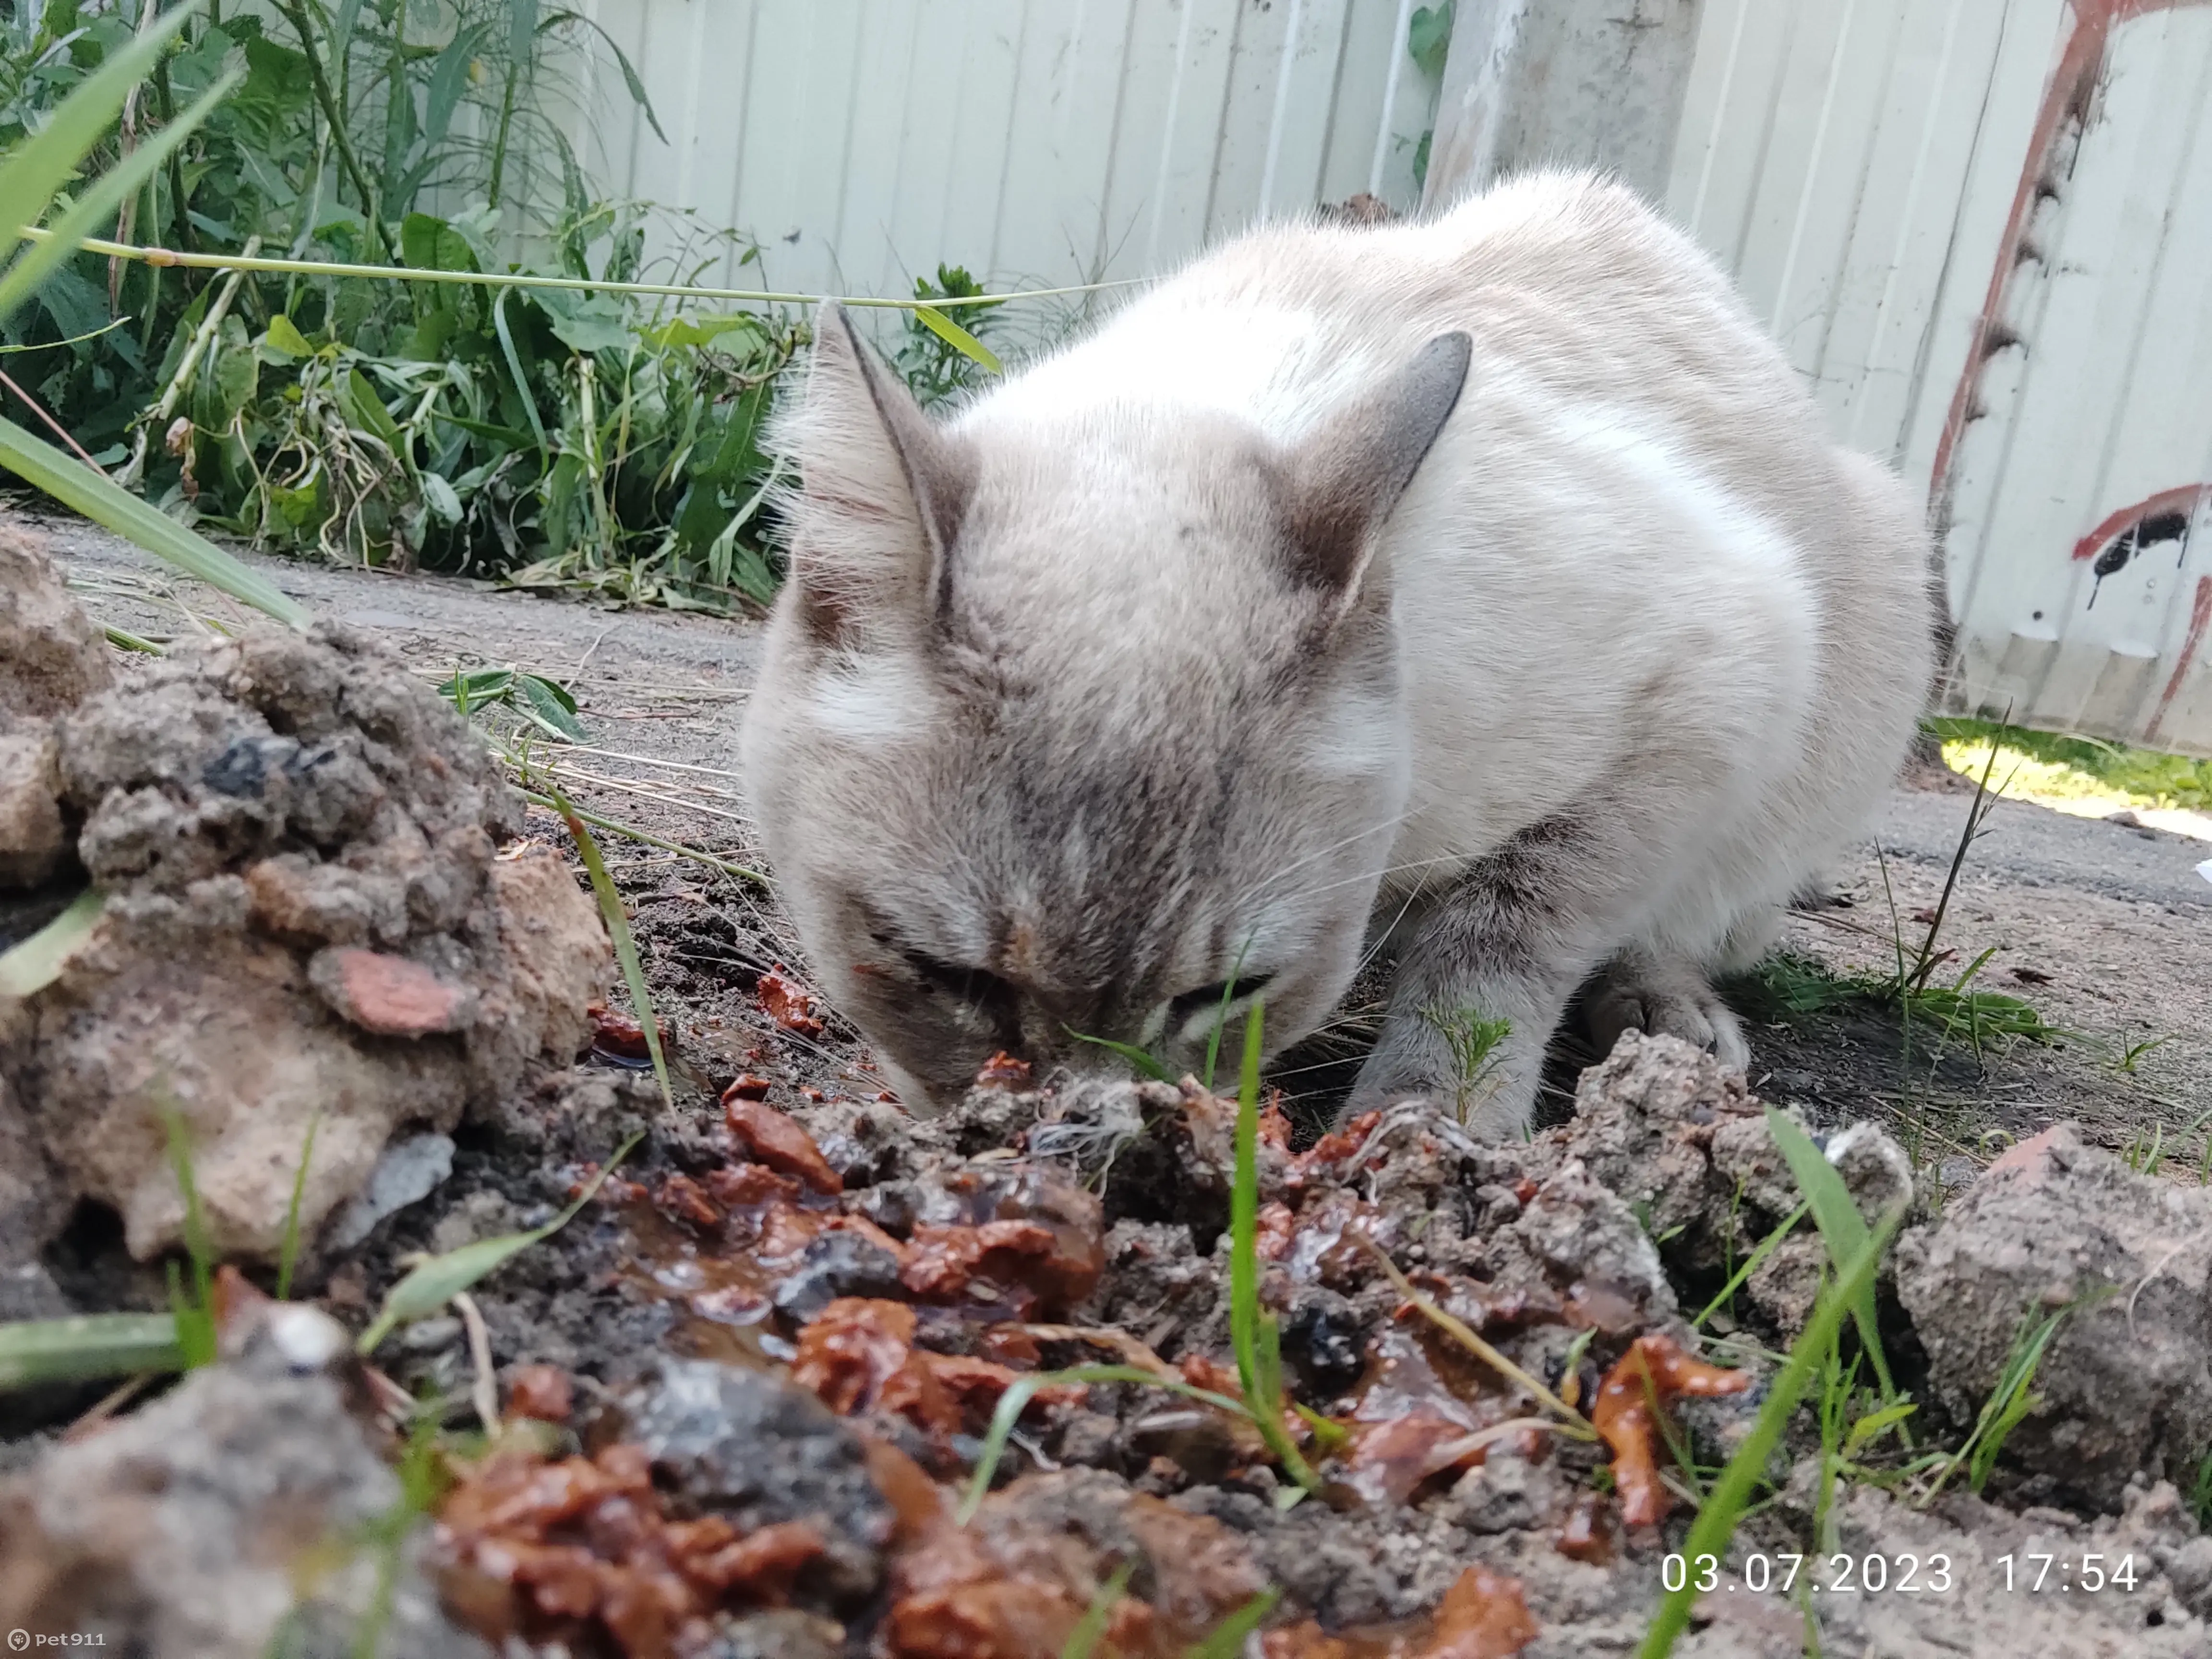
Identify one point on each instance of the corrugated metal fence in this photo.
(1048, 142)
(1983, 229)
(1980, 227)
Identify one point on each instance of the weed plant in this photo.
(563, 438)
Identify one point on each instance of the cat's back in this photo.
(1564, 280)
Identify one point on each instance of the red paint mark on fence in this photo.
(2200, 619)
(2068, 92)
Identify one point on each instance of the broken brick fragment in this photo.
(388, 995)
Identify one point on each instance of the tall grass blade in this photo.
(1843, 1229)
(42, 163)
(289, 1254)
(1725, 1503)
(430, 1285)
(1024, 1388)
(1226, 1639)
(1221, 1017)
(87, 1346)
(1139, 1057)
(30, 965)
(610, 909)
(1752, 1262)
(194, 1310)
(958, 338)
(103, 197)
(1083, 1641)
(1252, 1331)
(109, 505)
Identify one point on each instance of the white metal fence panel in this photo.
(1982, 229)
(1052, 142)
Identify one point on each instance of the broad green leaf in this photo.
(89, 1345)
(237, 377)
(428, 243)
(958, 338)
(32, 964)
(1428, 37)
(590, 324)
(552, 705)
(477, 686)
(429, 1285)
(106, 503)
(365, 411)
(444, 500)
(284, 335)
(702, 331)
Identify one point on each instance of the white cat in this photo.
(1490, 580)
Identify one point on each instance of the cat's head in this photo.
(1073, 711)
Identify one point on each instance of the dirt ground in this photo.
(2105, 929)
(733, 1402)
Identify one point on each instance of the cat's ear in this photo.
(882, 493)
(1347, 474)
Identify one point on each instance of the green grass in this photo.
(1751, 1264)
(1843, 1229)
(1723, 1509)
(191, 1304)
(2046, 764)
(2009, 1401)
(1226, 1639)
(1083, 1641)
(288, 1255)
(1788, 986)
(430, 1284)
(1473, 1038)
(1253, 1331)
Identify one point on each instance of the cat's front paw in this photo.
(1408, 1062)
(1414, 1061)
(1666, 999)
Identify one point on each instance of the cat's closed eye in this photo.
(1209, 999)
(977, 986)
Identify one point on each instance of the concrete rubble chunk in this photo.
(2056, 1224)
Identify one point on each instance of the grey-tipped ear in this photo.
(883, 492)
(1347, 474)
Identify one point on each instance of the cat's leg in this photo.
(1667, 994)
(1487, 976)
